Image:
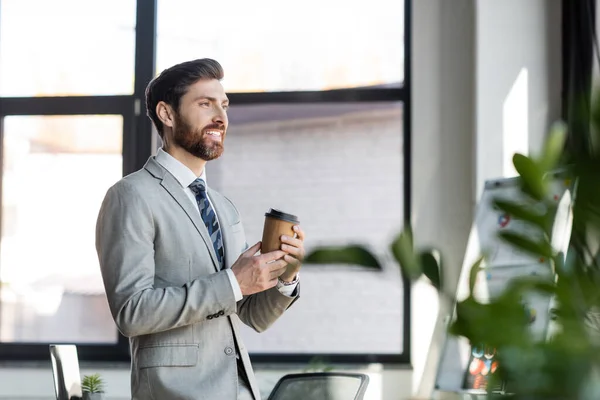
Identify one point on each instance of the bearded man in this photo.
(179, 275)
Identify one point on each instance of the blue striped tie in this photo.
(209, 217)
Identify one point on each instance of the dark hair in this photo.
(174, 82)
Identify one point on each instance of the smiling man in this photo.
(178, 273)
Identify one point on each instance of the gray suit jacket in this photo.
(167, 294)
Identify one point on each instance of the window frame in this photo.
(138, 146)
(42, 106)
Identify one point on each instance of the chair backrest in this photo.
(321, 386)
(65, 369)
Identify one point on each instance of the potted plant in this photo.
(567, 364)
(92, 387)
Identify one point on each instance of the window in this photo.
(264, 46)
(56, 170)
(338, 166)
(66, 47)
(319, 126)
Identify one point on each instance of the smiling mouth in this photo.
(214, 133)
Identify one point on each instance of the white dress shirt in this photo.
(185, 177)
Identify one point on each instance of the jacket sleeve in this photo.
(260, 310)
(125, 234)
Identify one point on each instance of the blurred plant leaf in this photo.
(555, 361)
(498, 323)
(531, 284)
(553, 146)
(473, 274)
(352, 255)
(318, 364)
(532, 178)
(404, 252)
(542, 248)
(526, 213)
(432, 269)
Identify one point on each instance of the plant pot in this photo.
(93, 396)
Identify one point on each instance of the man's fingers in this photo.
(293, 246)
(276, 273)
(252, 250)
(291, 260)
(295, 251)
(271, 256)
(276, 265)
(299, 232)
(291, 241)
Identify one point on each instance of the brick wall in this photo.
(342, 175)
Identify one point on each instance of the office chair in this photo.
(321, 386)
(65, 369)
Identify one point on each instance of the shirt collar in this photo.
(180, 172)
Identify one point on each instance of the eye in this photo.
(225, 107)
(204, 104)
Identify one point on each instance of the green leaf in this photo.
(553, 147)
(475, 268)
(531, 175)
(92, 383)
(403, 250)
(525, 213)
(500, 322)
(353, 255)
(524, 243)
(431, 263)
(531, 284)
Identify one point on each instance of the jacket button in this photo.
(228, 351)
(221, 312)
(209, 317)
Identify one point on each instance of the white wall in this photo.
(486, 83)
(442, 171)
(518, 75)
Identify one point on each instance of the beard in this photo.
(195, 141)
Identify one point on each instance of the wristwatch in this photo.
(281, 282)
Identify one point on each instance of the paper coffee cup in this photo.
(277, 223)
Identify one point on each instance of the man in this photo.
(177, 271)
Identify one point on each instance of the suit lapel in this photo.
(170, 184)
(230, 256)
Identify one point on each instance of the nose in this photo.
(220, 117)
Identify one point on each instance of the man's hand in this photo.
(257, 273)
(294, 247)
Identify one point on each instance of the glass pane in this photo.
(66, 47)
(339, 168)
(56, 171)
(264, 46)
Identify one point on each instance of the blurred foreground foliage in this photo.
(565, 365)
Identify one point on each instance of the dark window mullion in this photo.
(326, 96)
(145, 56)
(407, 174)
(76, 105)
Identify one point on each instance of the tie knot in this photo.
(198, 186)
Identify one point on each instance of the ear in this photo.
(165, 114)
